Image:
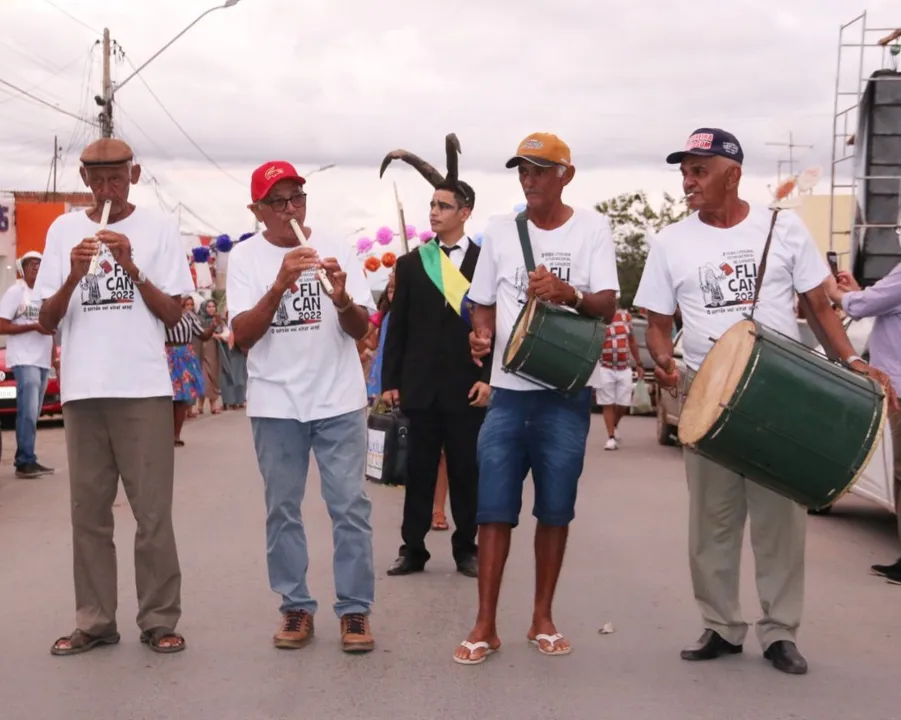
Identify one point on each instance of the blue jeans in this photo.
(31, 384)
(283, 454)
(537, 430)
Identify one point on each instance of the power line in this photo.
(183, 131)
(44, 102)
(56, 72)
(72, 17)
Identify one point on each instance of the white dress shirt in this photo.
(458, 251)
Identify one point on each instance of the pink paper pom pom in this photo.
(364, 245)
(384, 235)
(411, 232)
(426, 235)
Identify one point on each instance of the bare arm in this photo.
(249, 327)
(7, 327)
(660, 339)
(599, 305)
(484, 317)
(166, 307)
(636, 353)
(838, 338)
(354, 320)
(481, 339)
(53, 309)
(831, 324)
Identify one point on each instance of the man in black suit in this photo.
(428, 370)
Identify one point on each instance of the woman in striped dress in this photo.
(184, 367)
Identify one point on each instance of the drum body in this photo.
(554, 346)
(783, 416)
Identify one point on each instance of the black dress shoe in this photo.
(709, 647)
(784, 656)
(469, 567)
(886, 570)
(405, 566)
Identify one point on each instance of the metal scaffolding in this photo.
(862, 50)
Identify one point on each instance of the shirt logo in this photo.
(108, 287)
(532, 144)
(730, 148)
(300, 307)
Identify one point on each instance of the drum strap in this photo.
(763, 259)
(523, 229)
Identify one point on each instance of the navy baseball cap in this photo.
(706, 142)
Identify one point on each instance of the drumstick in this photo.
(104, 219)
(323, 276)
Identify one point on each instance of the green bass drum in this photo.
(554, 346)
(783, 416)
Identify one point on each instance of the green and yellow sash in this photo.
(451, 283)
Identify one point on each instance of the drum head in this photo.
(716, 381)
(520, 330)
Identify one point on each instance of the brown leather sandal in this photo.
(153, 639)
(80, 642)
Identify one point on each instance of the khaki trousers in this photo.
(720, 500)
(895, 424)
(109, 438)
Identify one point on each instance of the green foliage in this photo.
(632, 217)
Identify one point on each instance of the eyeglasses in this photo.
(281, 204)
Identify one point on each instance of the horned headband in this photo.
(428, 171)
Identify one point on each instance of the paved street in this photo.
(626, 565)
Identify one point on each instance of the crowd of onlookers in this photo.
(205, 366)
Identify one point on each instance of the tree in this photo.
(632, 218)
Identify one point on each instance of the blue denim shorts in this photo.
(537, 430)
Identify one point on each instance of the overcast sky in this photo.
(322, 81)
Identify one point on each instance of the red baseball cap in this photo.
(267, 174)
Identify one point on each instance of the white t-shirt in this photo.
(581, 252)
(20, 306)
(111, 344)
(305, 367)
(710, 273)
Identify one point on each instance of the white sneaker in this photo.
(611, 444)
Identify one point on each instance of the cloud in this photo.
(321, 82)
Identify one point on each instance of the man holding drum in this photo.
(707, 265)
(298, 317)
(528, 427)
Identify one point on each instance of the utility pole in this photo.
(57, 156)
(791, 145)
(105, 101)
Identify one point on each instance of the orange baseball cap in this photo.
(543, 150)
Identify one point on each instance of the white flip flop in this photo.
(552, 639)
(472, 647)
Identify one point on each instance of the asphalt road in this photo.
(626, 565)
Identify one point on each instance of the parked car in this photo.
(875, 484)
(52, 404)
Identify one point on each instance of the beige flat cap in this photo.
(107, 151)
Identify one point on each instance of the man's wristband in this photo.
(848, 361)
(347, 306)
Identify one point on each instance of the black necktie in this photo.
(448, 250)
